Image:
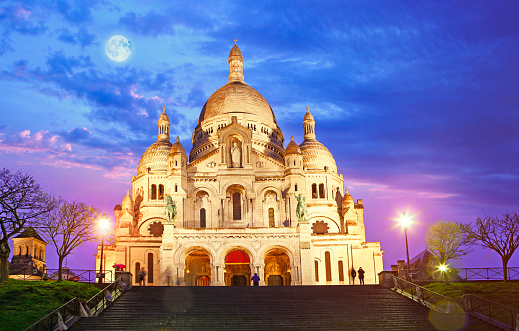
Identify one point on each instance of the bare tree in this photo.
(69, 226)
(22, 204)
(446, 241)
(500, 234)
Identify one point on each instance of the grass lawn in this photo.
(504, 293)
(23, 302)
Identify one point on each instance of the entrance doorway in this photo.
(275, 280)
(277, 268)
(239, 280)
(237, 269)
(198, 271)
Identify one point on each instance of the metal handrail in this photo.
(70, 311)
(487, 310)
(100, 301)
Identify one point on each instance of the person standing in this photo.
(255, 279)
(353, 274)
(361, 276)
(142, 277)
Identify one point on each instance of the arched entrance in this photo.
(277, 268)
(237, 269)
(198, 270)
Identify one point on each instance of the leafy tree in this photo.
(500, 234)
(22, 204)
(68, 227)
(446, 241)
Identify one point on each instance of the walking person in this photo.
(142, 277)
(255, 279)
(361, 276)
(353, 274)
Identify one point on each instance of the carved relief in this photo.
(211, 164)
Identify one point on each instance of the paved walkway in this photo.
(267, 308)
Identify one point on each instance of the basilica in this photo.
(236, 198)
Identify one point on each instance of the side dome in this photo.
(237, 98)
(178, 148)
(317, 156)
(155, 157)
(292, 147)
(127, 201)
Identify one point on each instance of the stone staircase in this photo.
(264, 308)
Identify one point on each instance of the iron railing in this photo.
(78, 275)
(71, 311)
(492, 312)
(495, 273)
(512, 273)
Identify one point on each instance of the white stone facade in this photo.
(236, 209)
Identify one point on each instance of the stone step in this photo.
(239, 308)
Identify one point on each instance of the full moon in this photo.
(118, 48)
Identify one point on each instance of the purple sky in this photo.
(417, 101)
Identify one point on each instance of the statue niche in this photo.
(236, 153)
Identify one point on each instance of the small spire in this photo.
(163, 109)
(307, 108)
(292, 138)
(127, 192)
(235, 40)
(177, 139)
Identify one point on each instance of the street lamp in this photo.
(405, 221)
(103, 226)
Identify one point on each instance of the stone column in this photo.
(181, 272)
(217, 274)
(260, 269)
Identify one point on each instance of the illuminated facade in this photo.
(236, 209)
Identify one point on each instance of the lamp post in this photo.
(405, 221)
(103, 226)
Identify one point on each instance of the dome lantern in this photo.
(236, 64)
(163, 124)
(309, 124)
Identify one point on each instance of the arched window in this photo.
(316, 266)
(272, 223)
(314, 191)
(176, 163)
(150, 268)
(153, 192)
(27, 251)
(296, 187)
(176, 188)
(202, 218)
(341, 271)
(161, 192)
(236, 206)
(294, 162)
(328, 265)
(20, 250)
(321, 191)
(137, 269)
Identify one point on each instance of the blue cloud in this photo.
(20, 19)
(151, 24)
(81, 38)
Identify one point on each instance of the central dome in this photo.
(237, 98)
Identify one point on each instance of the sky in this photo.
(416, 100)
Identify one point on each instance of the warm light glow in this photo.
(443, 268)
(188, 271)
(103, 224)
(405, 220)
